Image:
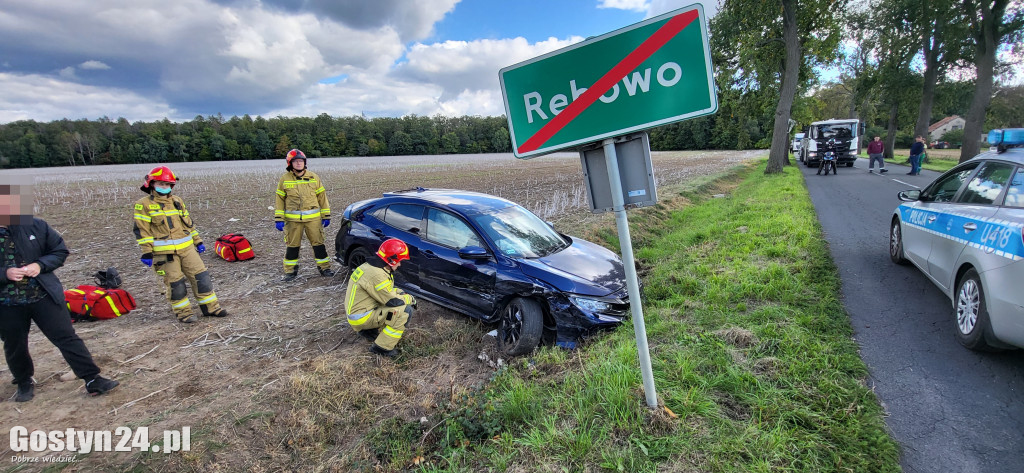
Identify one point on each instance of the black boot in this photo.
(290, 276)
(100, 385)
(26, 391)
(327, 273)
(382, 352)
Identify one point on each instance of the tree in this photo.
(940, 25)
(992, 25)
(772, 45)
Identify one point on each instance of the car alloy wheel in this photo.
(521, 326)
(357, 257)
(967, 306)
(896, 243)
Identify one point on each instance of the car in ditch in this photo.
(963, 231)
(492, 259)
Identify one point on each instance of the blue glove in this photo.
(147, 259)
(280, 226)
(200, 247)
(327, 222)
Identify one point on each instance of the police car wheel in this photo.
(896, 243)
(521, 326)
(971, 314)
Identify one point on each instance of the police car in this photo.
(963, 231)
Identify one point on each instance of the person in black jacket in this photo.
(29, 291)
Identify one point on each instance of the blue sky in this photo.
(154, 59)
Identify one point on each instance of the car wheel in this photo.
(521, 326)
(849, 165)
(896, 243)
(971, 314)
(357, 257)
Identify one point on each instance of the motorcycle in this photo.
(828, 159)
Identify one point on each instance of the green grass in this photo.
(750, 345)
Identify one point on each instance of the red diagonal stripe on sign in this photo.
(668, 31)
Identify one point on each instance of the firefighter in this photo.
(171, 245)
(301, 208)
(376, 309)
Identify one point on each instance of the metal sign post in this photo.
(632, 286)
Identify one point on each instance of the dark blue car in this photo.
(491, 259)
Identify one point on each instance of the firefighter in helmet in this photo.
(301, 208)
(171, 245)
(376, 309)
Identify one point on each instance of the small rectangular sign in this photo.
(636, 173)
(652, 73)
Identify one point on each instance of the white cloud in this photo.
(67, 72)
(631, 5)
(44, 98)
(94, 65)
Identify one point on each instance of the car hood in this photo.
(582, 268)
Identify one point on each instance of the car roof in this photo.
(1013, 155)
(465, 202)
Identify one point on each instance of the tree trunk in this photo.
(985, 59)
(931, 76)
(778, 157)
(890, 135)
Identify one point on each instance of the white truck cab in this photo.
(846, 133)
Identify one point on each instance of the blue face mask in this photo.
(162, 191)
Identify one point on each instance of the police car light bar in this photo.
(1007, 138)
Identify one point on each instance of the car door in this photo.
(465, 283)
(962, 223)
(921, 220)
(405, 222)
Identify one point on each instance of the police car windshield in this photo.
(517, 232)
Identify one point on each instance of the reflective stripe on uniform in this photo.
(143, 241)
(280, 193)
(356, 274)
(194, 233)
(208, 299)
(323, 260)
(300, 214)
(397, 334)
(167, 245)
(291, 262)
(383, 286)
(180, 304)
(321, 189)
(360, 318)
(143, 218)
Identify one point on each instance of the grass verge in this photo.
(752, 352)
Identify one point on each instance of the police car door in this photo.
(921, 218)
(964, 222)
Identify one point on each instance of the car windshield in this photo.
(839, 131)
(517, 232)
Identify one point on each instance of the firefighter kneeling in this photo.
(373, 302)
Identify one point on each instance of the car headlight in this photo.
(590, 305)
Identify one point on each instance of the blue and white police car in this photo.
(963, 231)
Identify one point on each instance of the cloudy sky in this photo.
(151, 59)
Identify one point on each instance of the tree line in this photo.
(905, 64)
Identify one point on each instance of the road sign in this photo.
(652, 73)
(636, 173)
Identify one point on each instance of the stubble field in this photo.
(282, 383)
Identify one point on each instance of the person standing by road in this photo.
(875, 152)
(30, 250)
(301, 208)
(372, 301)
(916, 152)
(171, 245)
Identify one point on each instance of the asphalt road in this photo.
(951, 409)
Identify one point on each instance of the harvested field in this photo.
(282, 383)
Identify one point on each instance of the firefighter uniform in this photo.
(373, 302)
(164, 229)
(302, 205)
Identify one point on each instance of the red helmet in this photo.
(162, 174)
(393, 251)
(293, 154)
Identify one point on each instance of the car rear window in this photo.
(1015, 191)
(986, 186)
(405, 217)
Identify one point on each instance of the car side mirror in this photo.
(550, 223)
(474, 252)
(909, 196)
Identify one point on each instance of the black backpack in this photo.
(108, 279)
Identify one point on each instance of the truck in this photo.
(846, 133)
